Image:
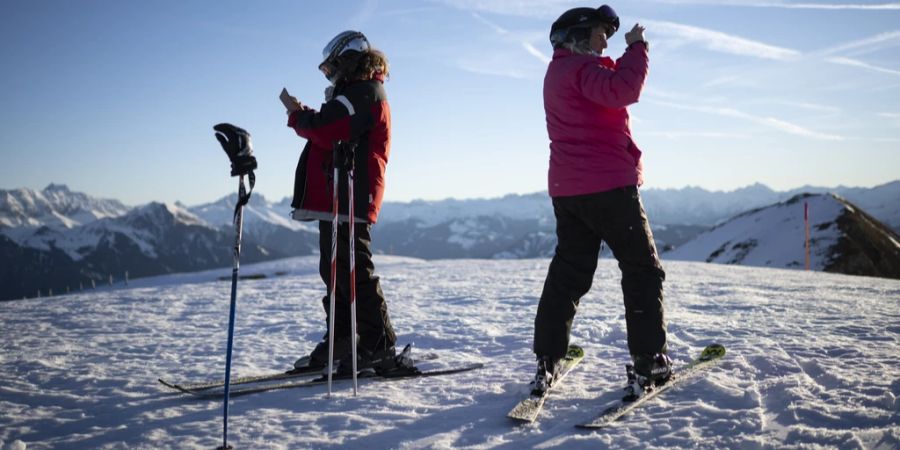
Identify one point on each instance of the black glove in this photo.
(236, 143)
(345, 152)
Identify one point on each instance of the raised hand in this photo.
(635, 35)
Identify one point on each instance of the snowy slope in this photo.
(843, 239)
(772, 236)
(812, 362)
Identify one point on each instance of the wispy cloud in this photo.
(524, 40)
(531, 49)
(788, 5)
(864, 65)
(694, 134)
(723, 42)
(521, 8)
(769, 122)
(866, 45)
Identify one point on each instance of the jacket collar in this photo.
(565, 53)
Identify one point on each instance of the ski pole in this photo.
(236, 143)
(333, 284)
(238, 226)
(351, 220)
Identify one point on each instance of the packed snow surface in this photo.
(812, 362)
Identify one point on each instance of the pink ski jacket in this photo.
(591, 149)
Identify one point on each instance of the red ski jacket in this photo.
(358, 111)
(591, 148)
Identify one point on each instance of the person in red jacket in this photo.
(356, 110)
(595, 171)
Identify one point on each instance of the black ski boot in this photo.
(400, 365)
(369, 361)
(647, 372)
(547, 371)
(318, 358)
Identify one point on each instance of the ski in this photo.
(199, 386)
(707, 359)
(274, 376)
(529, 408)
(323, 380)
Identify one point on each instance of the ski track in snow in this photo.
(812, 362)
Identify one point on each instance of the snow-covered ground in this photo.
(813, 362)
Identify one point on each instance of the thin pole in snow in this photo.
(351, 220)
(238, 225)
(333, 284)
(806, 226)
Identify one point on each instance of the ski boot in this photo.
(318, 358)
(647, 372)
(401, 364)
(370, 362)
(547, 372)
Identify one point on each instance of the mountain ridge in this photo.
(100, 237)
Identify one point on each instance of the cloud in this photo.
(531, 49)
(722, 42)
(867, 45)
(864, 65)
(513, 71)
(694, 134)
(769, 122)
(522, 8)
(788, 5)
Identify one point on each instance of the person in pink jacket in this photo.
(595, 171)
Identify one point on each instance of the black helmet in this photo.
(575, 24)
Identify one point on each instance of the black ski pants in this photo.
(582, 223)
(373, 324)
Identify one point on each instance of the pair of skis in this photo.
(305, 377)
(529, 408)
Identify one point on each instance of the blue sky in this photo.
(117, 99)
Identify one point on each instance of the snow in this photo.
(812, 362)
(773, 236)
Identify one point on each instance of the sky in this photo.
(118, 99)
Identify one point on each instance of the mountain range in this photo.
(56, 240)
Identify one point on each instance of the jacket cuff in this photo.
(646, 44)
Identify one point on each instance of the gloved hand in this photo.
(345, 154)
(635, 35)
(236, 143)
(290, 102)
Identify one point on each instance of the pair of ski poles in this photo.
(343, 152)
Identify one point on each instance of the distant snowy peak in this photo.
(55, 207)
(258, 212)
(159, 216)
(843, 239)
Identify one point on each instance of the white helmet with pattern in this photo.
(336, 52)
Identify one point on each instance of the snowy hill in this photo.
(842, 239)
(697, 206)
(811, 363)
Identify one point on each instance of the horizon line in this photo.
(442, 199)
